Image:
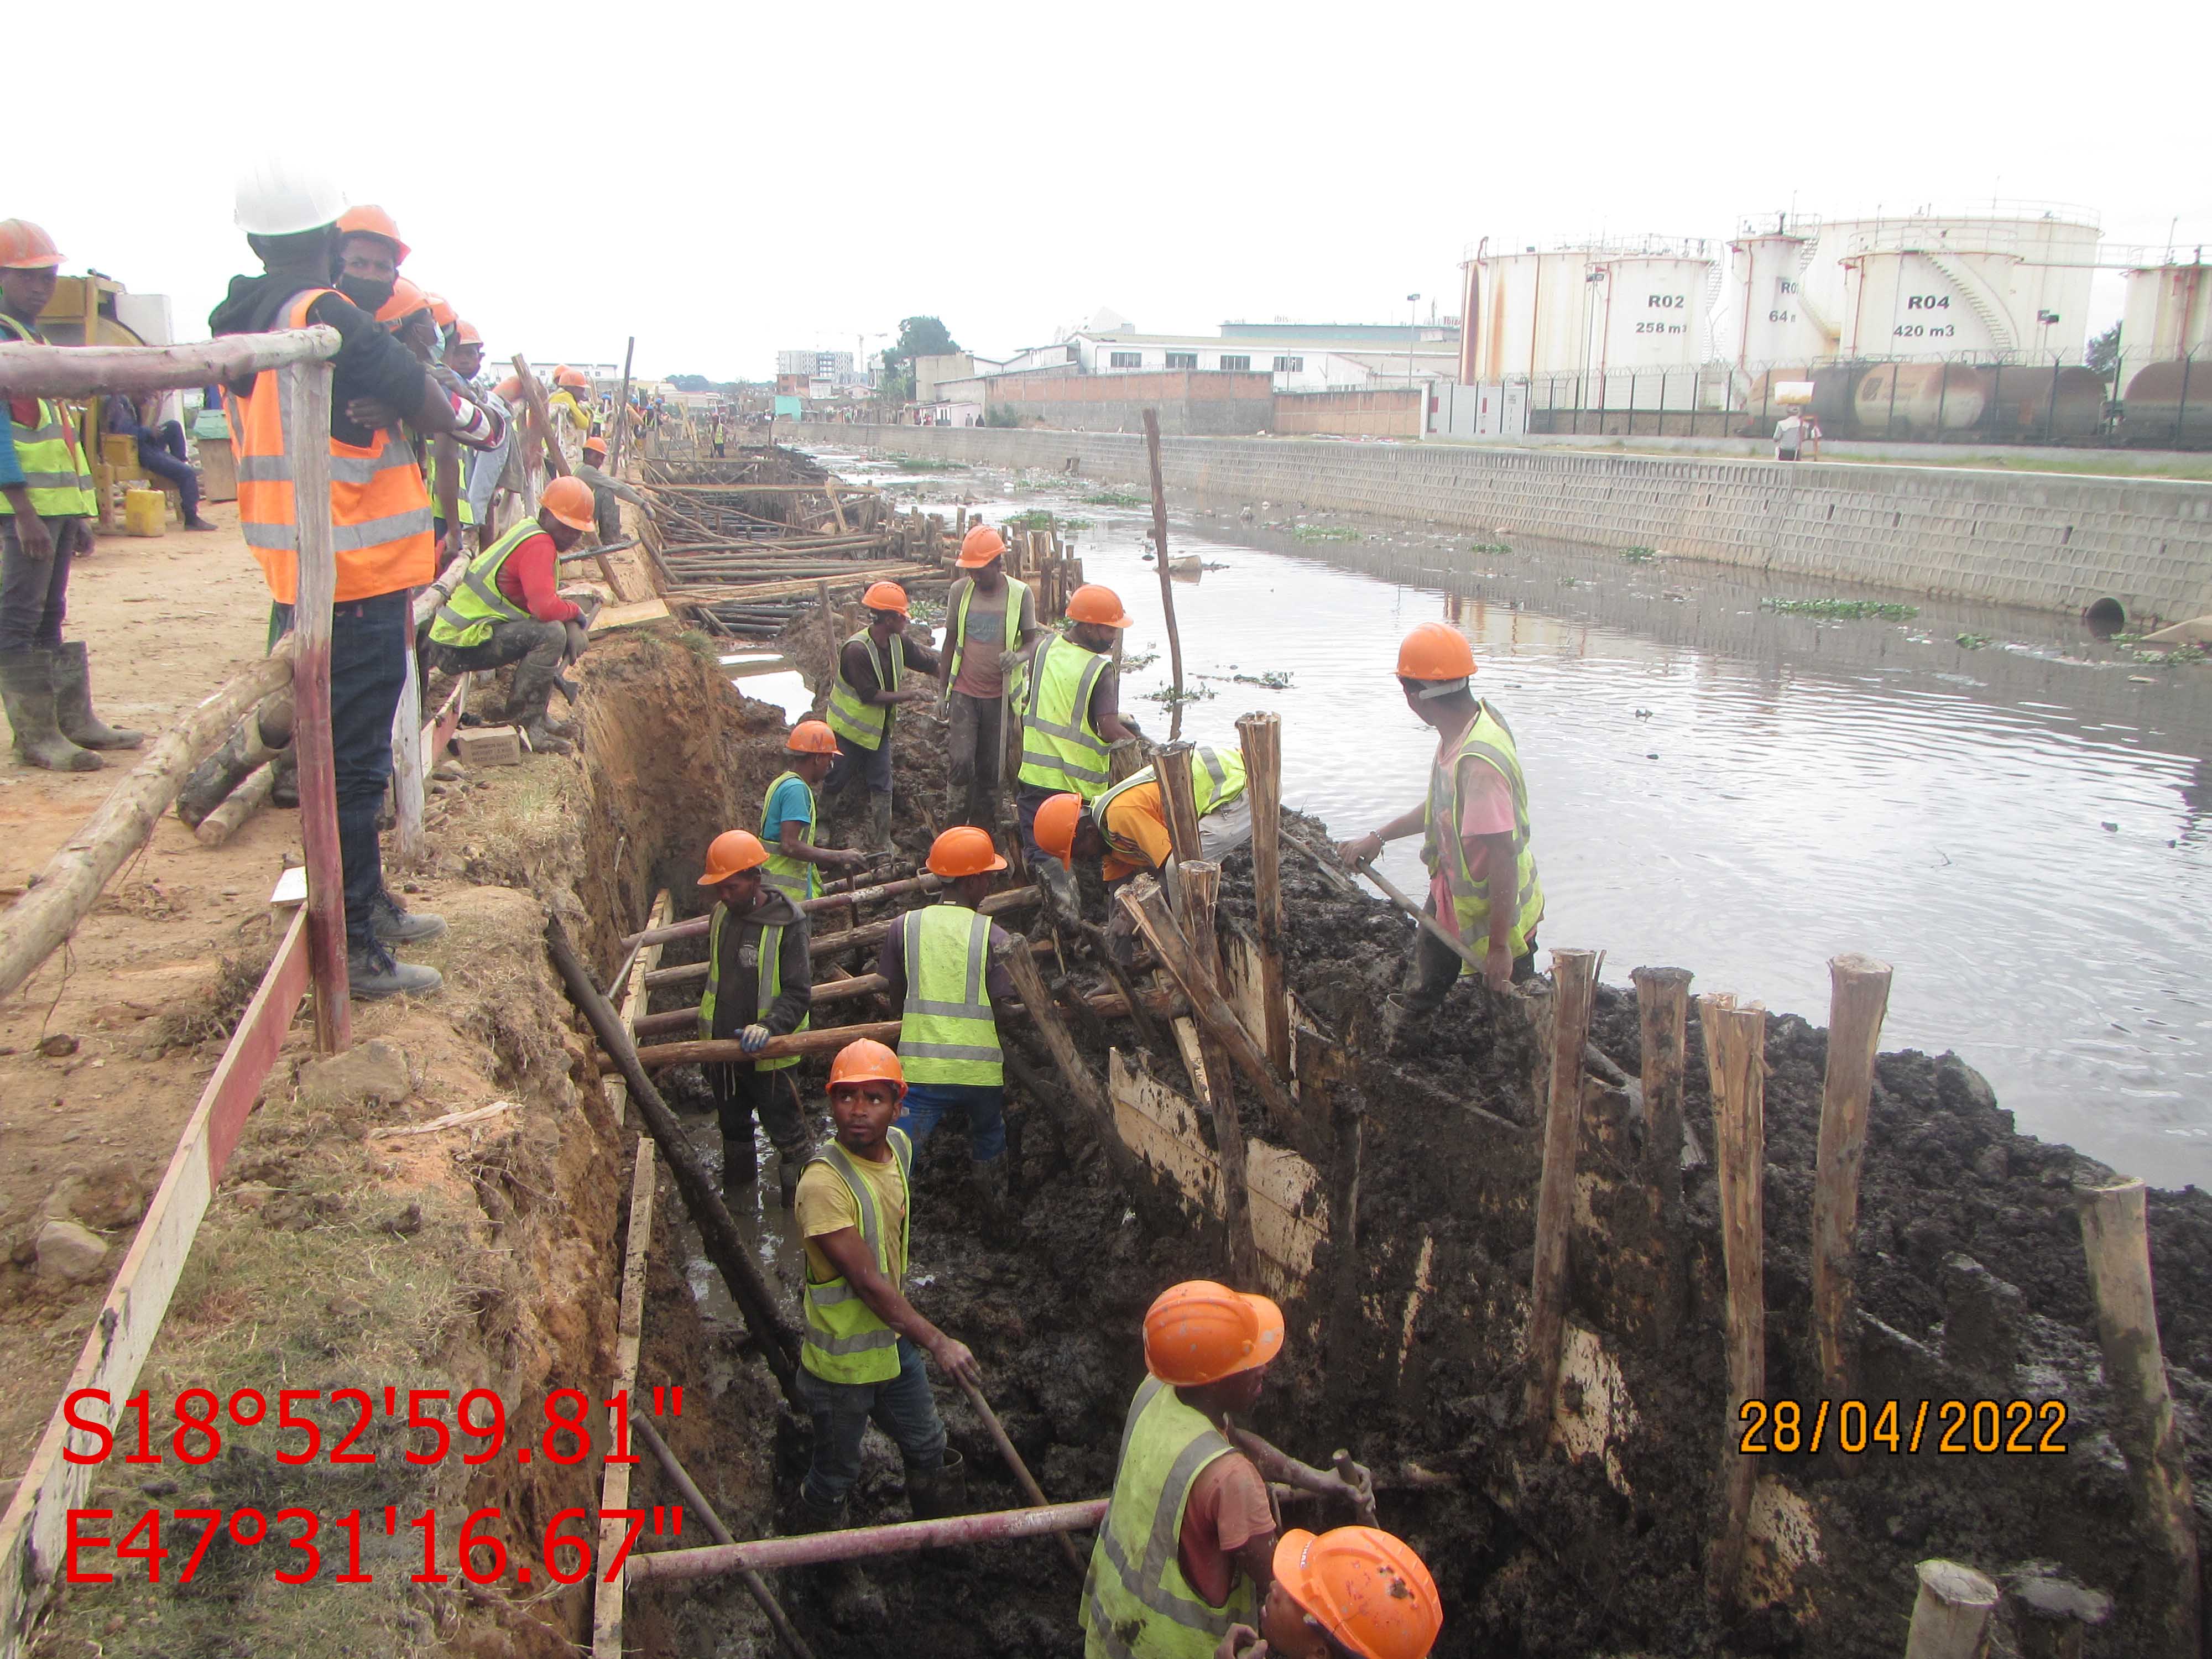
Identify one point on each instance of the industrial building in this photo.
(1297, 356)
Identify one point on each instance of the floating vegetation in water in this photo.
(1489, 547)
(1569, 582)
(2173, 659)
(1035, 518)
(1974, 641)
(1168, 694)
(1275, 679)
(925, 610)
(1134, 659)
(924, 463)
(1326, 533)
(1113, 498)
(1848, 610)
(1640, 553)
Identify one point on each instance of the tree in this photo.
(919, 336)
(2103, 355)
(690, 383)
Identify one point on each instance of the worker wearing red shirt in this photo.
(508, 608)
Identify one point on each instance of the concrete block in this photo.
(489, 745)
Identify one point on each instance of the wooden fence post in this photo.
(1200, 884)
(1735, 1058)
(1261, 735)
(1662, 1007)
(1859, 996)
(308, 446)
(1951, 1611)
(1574, 977)
(1171, 766)
(1160, 553)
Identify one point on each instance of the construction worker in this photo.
(608, 492)
(992, 628)
(571, 424)
(1187, 1472)
(46, 516)
(508, 608)
(1126, 827)
(719, 433)
(937, 964)
(789, 817)
(379, 512)
(1474, 827)
(861, 1354)
(760, 980)
(1354, 1593)
(1070, 714)
(480, 468)
(870, 686)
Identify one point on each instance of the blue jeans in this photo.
(161, 453)
(903, 1408)
(927, 1103)
(871, 766)
(371, 653)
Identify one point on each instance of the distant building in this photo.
(1297, 356)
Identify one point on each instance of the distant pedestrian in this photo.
(1794, 433)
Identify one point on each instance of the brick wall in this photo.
(2045, 541)
(1203, 402)
(1351, 413)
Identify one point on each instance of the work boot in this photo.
(821, 1517)
(790, 1164)
(395, 924)
(879, 821)
(214, 779)
(740, 1167)
(941, 1491)
(72, 672)
(527, 705)
(27, 685)
(373, 974)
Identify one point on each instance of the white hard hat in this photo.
(280, 198)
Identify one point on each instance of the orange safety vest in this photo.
(379, 511)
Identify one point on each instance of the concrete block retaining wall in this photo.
(2046, 542)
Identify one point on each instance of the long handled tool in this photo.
(1021, 1469)
(754, 1584)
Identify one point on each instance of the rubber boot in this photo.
(741, 1164)
(525, 707)
(27, 685)
(214, 779)
(820, 1518)
(790, 1164)
(879, 821)
(73, 704)
(941, 1492)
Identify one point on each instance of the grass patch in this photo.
(215, 1016)
(1844, 610)
(1326, 533)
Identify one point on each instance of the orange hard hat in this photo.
(866, 1061)
(597, 443)
(1091, 602)
(731, 852)
(369, 220)
(570, 500)
(442, 310)
(406, 300)
(509, 387)
(574, 378)
(885, 596)
(1366, 1588)
(811, 737)
(1435, 650)
(25, 246)
(963, 850)
(1055, 828)
(979, 546)
(466, 333)
(1200, 1332)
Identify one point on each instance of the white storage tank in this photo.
(1578, 310)
(1767, 318)
(1929, 285)
(2168, 313)
(1654, 312)
(1526, 314)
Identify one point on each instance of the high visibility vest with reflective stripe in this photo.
(867, 723)
(466, 619)
(845, 1342)
(1217, 777)
(797, 879)
(1489, 741)
(1061, 750)
(52, 452)
(947, 1033)
(1136, 1602)
(379, 512)
(768, 975)
(431, 482)
(1017, 595)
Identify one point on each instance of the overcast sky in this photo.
(722, 181)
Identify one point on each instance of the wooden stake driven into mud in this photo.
(2116, 1238)
(1662, 1007)
(1216, 1019)
(1178, 799)
(1859, 996)
(1199, 888)
(1951, 1611)
(1261, 735)
(1574, 978)
(1160, 555)
(1735, 1057)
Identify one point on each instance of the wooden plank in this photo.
(629, 615)
(447, 721)
(36, 371)
(34, 1532)
(407, 768)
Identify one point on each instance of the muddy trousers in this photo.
(538, 644)
(742, 1093)
(34, 592)
(1437, 967)
(975, 755)
(903, 1408)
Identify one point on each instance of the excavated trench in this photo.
(1407, 1297)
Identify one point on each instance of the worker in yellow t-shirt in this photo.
(1126, 827)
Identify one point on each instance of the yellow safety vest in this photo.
(947, 1032)
(1487, 740)
(50, 453)
(795, 879)
(466, 619)
(1136, 1602)
(468, 514)
(845, 1342)
(867, 723)
(1061, 750)
(767, 977)
(1017, 594)
(1217, 777)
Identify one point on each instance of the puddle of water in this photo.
(2020, 830)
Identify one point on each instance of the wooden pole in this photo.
(1178, 801)
(1262, 736)
(688, 1490)
(858, 1543)
(556, 463)
(407, 768)
(307, 445)
(90, 434)
(1089, 1094)
(622, 414)
(1021, 1470)
(1859, 996)
(241, 803)
(1198, 888)
(1215, 1017)
(1124, 757)
(1662, 1007)
(36, 371)
(726, 1247)
(825, 1040)
(1736, 1051)
(1574, 979)
(2116, 1238)
(1160, 553)
(1951, 1611)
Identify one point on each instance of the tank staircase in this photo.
(1992, 316)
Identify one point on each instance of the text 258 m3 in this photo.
(476, 1425)
(310, 1544)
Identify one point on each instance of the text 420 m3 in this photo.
(476, 1425)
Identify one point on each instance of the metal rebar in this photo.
(689, 1490)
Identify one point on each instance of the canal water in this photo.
(2012, 813)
